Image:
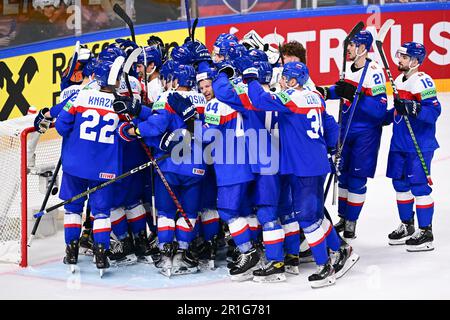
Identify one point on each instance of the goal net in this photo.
(27, 161)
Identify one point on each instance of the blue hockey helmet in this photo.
(89, 68)
(363, 37)
(235, 51)
(264, 71)
(225, 36)
(182, 55)
(107, 73)
(185, 74)
(414, 50)
(209, 73)
(111, 53)
(152, 54)
(257, 55)
(167, 68)
(296, 70)
(224, 46)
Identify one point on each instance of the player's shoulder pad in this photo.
(423, 85)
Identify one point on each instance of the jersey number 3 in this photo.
(106, 135)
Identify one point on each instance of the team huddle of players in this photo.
(270, 214)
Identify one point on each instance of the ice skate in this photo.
(207, 255)
(404, 232)
(184, 263)
(121, 252)
(86, 243)
(272, 271)
(340, 225)
(343, 260)
(422, 240)
(291, 264)
(71, 257)
(245, 264)
(101, 258)
(305, 256)
(324, 276)
(142, 247)
(165, 263)
(349, 230)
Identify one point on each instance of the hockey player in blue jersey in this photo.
(152, 61)
(301, 128)
(360, 151)
(88, 126)
(418, 102)
(183, 172)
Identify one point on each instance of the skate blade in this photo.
(329, 281)
(292, 270)
(247, 275)
(398, 242)
(182, 271)
(207, 265)
(73, 268)
(423, 247)
(270, 279)
(348, 265)
(166, 272)
(127, 261)
(145, 259)
(102, 272)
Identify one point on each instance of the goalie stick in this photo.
(357, 28)
(379, 44)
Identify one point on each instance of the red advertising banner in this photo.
(323, 36)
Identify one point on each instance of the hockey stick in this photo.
(44, 203)
(194, 26)
(124, 16)
(379, 43)
(100, 186)
(357, 28)
(188, 18)
(126, 68)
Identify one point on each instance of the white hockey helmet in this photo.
(253, 40)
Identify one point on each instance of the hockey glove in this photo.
(331, 152)
(125, 131)
(246, 67)
(199, 51)
(225, 67)
(407, 107)
(171, 139)
(126, 45)
(183, 107)
(323, 91)
(42, 122)
(128, 105)
(345, 90)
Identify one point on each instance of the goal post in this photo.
(27, 162)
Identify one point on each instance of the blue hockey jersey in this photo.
(303, 147)
(90, 148)
(419, 87)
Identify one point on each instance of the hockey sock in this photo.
(72, 226)
(240, 232)
(331, 236)
(273, 237)
(255, 227)
(291, 234)
(405, 204)
(102, 230)
(316, 239)
(425, 210)
(136, 218)
(183, 233)
(210, 224)
(166, 229)
(356, 197)
(119, 223)
(342, 201)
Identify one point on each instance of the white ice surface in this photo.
(383, 272)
